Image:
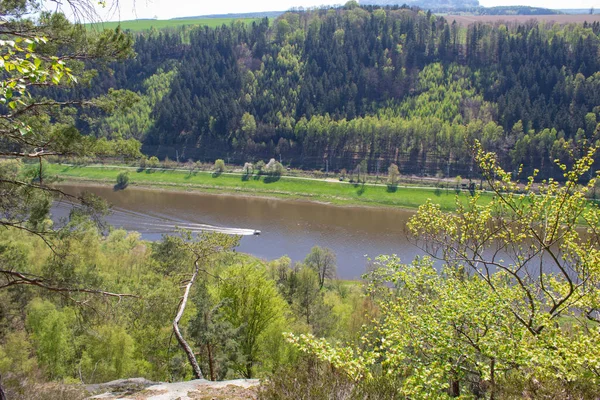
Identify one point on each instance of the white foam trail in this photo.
(136, 220)
(199, 228)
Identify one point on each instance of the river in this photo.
(287, 227)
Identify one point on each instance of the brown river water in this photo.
(287, 227)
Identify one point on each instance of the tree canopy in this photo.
(512, 308)
(331, 87)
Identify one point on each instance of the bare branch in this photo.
(19, 278)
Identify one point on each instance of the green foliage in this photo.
(16, 355)
(122, 180)
(153, 162)
(41, 60)
(260, 164)
(332, 192)
(393, 175)
(248, 169)
(307, 379)
(136, 122)
(322, 261)
(219, 165)
(364, 83)
(214, 336)
(109, 353)
(248, 124)
(53, 336)
(483, 326)
(308, 302)
(252, 304)
(273, 168)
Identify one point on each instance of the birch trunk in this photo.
(184, 345)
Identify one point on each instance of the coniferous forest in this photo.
(501, 302)
(352, 84)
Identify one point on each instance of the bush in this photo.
(20, 388)
(168, 163)
(308, 379)
(219, 165)
(153, 162)
(122, 180)
(274, 168)
(80, 161)
(259, 166)
(393, 175)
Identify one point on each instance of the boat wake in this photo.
(151, 224)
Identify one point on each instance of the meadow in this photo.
(342, 193)
(140, 25)
(563, 19)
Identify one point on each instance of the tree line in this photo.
(343, 85)
(80, 302)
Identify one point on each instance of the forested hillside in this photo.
(348, 84)
(510, 308)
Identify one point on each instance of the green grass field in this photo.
(145, 24)
(286, 187)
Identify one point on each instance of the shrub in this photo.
(393, 175)
(122, 180)
(219, 165)
(168, 163)
(307, 379)
(274, 168)
(81, 161)
(153, 162)
(191, 165)
(259, 166)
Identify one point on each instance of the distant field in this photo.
(560, 19)
(335, 192)
(145, 24)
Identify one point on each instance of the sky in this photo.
(166, 9)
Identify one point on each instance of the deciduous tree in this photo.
(322, 260)
(251, 303)
(513, 309)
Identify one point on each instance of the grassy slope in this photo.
(315, 190)
(142, 25)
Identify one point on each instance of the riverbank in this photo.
(318, 190)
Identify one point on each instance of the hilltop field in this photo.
(140, 25)
(520, 19)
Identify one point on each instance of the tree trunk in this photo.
(249, 365)
(2, 395)
(454, 388)
(210, 363)
(493, 379)
(184, 345)
(211, 366)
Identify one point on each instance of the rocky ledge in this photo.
(142, 389)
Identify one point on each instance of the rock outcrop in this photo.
(142, 389)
